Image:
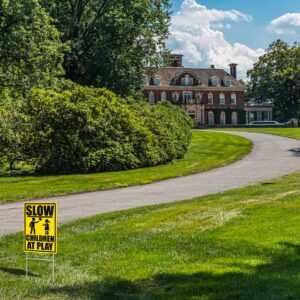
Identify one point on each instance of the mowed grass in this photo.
(240, 244)
(287, 132)
(207, 150)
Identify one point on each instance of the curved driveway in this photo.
(272, 156)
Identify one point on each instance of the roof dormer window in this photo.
(227, 82)
(187, 80)
(146, 80)
(215, 81)
(157, 81)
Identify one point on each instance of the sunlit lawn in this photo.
(241, 244)
(207, 150)
(288, 132)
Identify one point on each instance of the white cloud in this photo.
(287, 24)
(196, 33)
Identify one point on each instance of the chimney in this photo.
(212, 66)
(233, 70)
(176, 60)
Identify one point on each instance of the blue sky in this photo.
(243, 25)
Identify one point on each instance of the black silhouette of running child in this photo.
(47, 226)
(32, 225)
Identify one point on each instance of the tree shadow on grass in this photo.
(278, 279)
(18, 272)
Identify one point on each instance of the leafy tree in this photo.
(14, 131)
(276, 77)
(30, 46)
(111, 40)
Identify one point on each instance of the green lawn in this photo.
(241, 244)
(288, 132)
(207, 150)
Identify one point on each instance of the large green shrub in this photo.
(91, 130)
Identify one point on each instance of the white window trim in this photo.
(215, 79)
(233, 100)
(175, 95)
(163, 96)
(222, 100)
(226, 81)
(234, 113)
(222, 120)
(210, 101)
(199, 97)
(146, 80)
(156, 78)
(187, 79)
(211, 118)
(187, 93)
(151, 97)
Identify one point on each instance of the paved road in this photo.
(272, 156)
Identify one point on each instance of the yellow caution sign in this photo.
(40, 222)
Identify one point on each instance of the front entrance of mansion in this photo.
(196, 111)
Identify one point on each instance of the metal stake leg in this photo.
(26, 266)
(53, 266)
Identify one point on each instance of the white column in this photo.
(259, 116)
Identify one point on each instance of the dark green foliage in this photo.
(30, 46)
(92, 130)
(241, 116)
(276, 77)
(111, 41)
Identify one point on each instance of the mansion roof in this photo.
(169, 76)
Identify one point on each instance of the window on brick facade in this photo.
(187, 96)
(198, 97)
(151, 97)
(163, 96)
(233, 98)
(222, 98)
(175, 97)
(210, 98)
(234, 118)
(211, 118)
(222, 118)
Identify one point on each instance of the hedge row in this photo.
(93, 130)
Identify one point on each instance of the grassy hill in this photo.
(241, 244)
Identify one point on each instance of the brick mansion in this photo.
(209, 95)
